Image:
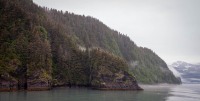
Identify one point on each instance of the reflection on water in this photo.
(187, 92)
(151, 93)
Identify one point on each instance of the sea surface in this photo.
(164, 92)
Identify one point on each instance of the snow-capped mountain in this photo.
(189, 73)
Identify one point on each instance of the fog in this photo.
(171, 28)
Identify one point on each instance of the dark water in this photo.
(187, 92)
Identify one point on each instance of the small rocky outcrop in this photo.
(38, 85)
(39, 80)
(8, 83)
(110, 72)
(115, 81)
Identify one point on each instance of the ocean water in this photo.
(185, 92)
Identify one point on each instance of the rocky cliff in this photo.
(41, 48)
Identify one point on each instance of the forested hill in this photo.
(42, 47)
(88, 32)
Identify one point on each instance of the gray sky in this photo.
(171, 28)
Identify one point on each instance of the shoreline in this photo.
(67, 86)
(142, 87)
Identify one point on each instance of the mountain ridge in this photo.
(42, 47)
(189, 72)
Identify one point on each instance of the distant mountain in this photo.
(190, 73)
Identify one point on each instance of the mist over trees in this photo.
(41, 47)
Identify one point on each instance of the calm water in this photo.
(187, 92)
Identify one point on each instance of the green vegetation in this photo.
(41, 46)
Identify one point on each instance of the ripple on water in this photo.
(185, 92)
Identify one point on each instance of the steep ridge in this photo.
(89, 32)
(41, 48)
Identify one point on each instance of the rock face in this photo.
(8, 84)
(115, 81)
(110, 73)
(38, 85)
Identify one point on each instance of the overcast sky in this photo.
(171, 28)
